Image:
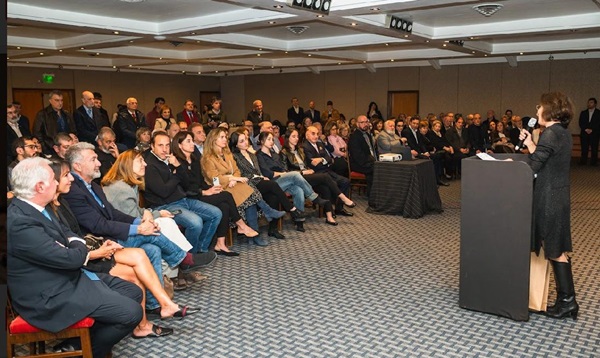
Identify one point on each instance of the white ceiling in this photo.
(236, 37)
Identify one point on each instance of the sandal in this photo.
(182, 313)
(157, 331)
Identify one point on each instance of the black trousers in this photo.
(224, 201)
(119, 314)
(324, 185)
(589, 142)
(273, 195)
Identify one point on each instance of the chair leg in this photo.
(229, 238)
(86, 343)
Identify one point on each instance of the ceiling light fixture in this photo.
(132, 1)
(278, 6)
(487, 10)
(41, 54)
(319, 16)
(375, 9)
(82, 48)
(18, 47)
(399, 24)
(321, 6)
(272, 22)
(192, 33)
(353, 24)
(116, 32)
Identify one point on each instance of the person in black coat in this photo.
(52, 120)
(589, 122)
(88, 119)
(49, 289)
(550, 161)
(295, 112)
(362, 152)
(415, 140)
(128, 121)
(13, 125)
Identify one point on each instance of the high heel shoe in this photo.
(332, 223)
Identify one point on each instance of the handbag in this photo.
(93, 242)
(539, 281)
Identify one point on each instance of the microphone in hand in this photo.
(530, 125)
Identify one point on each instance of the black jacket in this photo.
(88, 127)
(45, 127)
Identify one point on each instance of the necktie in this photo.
(133, 115)
(46, 214)
(61, 123)
(190, 115)
(89, 112)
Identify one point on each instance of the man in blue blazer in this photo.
(49, 288)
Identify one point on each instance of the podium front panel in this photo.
(496, 227)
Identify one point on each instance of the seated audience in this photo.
(323, 184)
(47, 283)
(477, 135)
(443, 151)
(218, 162)
(143, 136)
(500, 139)
(458, 137)
(362, 151)
(62, 142)
(274, 168)
(271, 192)
(165, 118)
(339, 149)
(24, 147)
(130, 264)
(192, 181)
(377, 124)
(163, 191)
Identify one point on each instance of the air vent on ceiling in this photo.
(297, 29)
(176, 43)
(487, 9)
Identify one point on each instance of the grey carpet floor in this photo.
(375, 286)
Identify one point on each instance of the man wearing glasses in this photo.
(24, 147)
(362, 150)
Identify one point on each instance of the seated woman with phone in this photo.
(192, 181)
(218, 162)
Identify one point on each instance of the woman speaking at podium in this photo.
(550, 161)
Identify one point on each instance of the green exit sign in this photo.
(48, 78)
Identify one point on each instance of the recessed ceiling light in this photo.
(199, 72)
(445, 45)
(8, 58)
(260, 49)
(339, 63)
(160, 58)
(192, 33)
(392, 60)
(258, 54)
(82, 48)
(353, 24)
(472, 52)
(485, 55)
(129, 65)
(286, 52)
(130, 41)
(116, 32)
(183, 72)
(387, 44)
(278, 6)
(133, 1)
(60, 50)
(41, 54)
(97, 53)
(319, 16)
(520, 53)
(364, 61)
(114, 66)
(309, 55)
(26, 61)
(216, 71)
(426, 41)
(18, 47)
(375, 9)
(272, 22)
(405, 36)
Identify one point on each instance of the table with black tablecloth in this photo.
(407, 188)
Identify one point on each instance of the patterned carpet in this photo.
(375, 286)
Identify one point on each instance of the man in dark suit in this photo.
(295, 112)
(188, 114)
(23, 120)
(458, 137)
(16, 128)
(128, 121)
(88, 119)
(589, 122)
(312, 113)
(52, 120)
(48, 285)
(362, 151)
(414, 139)
(257, 115)
(319, 160)
(25, 148)
(477, 135)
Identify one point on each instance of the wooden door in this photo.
(33, 100)
(406, 102)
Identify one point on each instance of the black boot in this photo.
(300, 226)
(273, 230)
(297, 215)
(565, 305)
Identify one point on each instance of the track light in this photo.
(399, 24)
(320, 6)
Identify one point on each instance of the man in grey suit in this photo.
(388, 141)
(48, 285)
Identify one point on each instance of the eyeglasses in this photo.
(30, 146)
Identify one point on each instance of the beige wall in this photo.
(461, 88)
